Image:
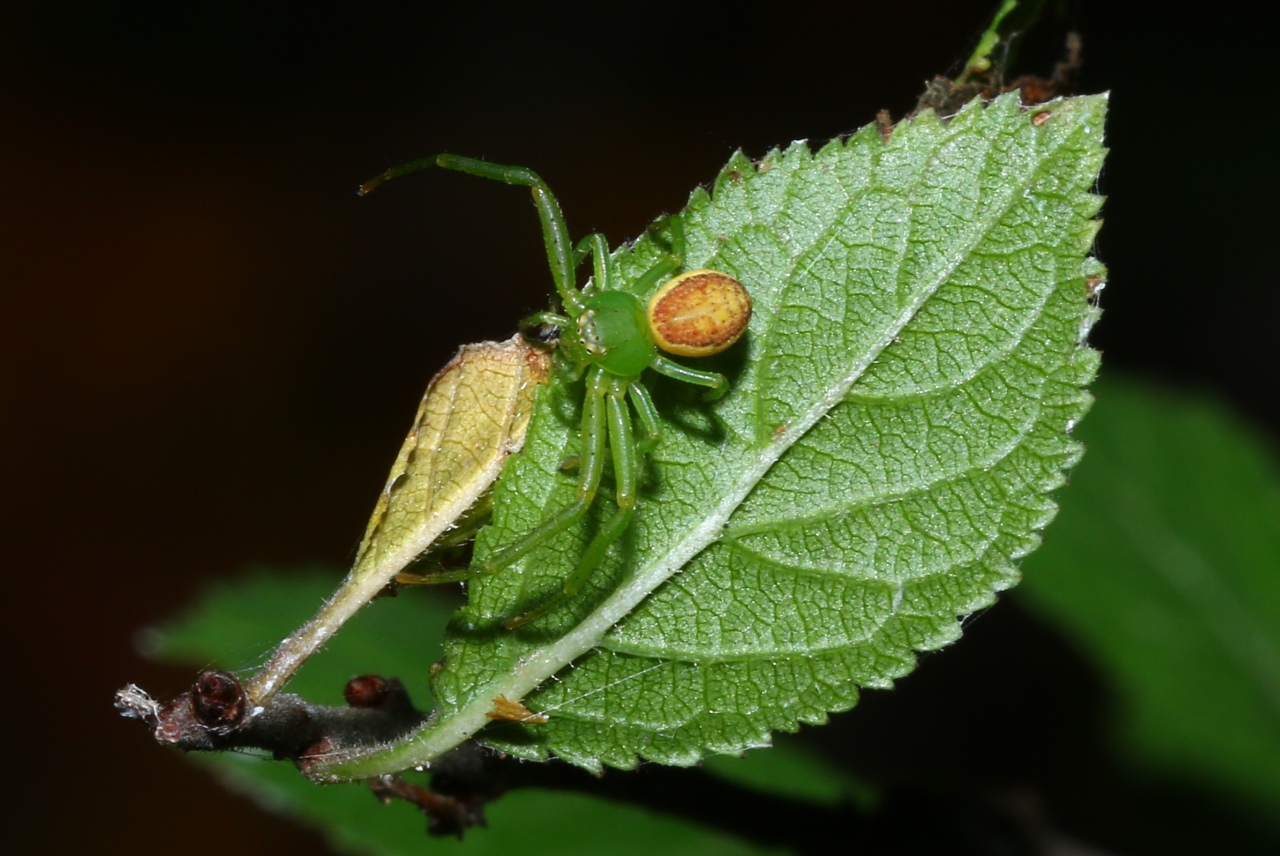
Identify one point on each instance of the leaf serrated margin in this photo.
(536, 664)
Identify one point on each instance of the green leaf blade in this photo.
(1162, 569)
(898, 414)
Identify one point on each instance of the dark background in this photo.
(212, 348)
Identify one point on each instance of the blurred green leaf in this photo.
(1164, 566)
(235, 623)
(792, 770)
(525, 821)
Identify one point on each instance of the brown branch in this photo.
(216, 714)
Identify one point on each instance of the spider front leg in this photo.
(555, 234)
(611, 392)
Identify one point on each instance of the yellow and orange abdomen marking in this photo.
(699, 313)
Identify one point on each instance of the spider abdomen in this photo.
(699, 313)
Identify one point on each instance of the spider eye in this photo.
(590, 334)
(699, 313)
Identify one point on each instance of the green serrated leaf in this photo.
(898, 415)
(1163, 567)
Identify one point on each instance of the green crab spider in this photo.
(610, 336)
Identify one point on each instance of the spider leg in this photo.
(555, 234)
(534, 326)
(537, 319)
(596, 246)
(648, 414)
(670, 263)
(574, 356)
(717, 382)
(626, 469)
(591, 468)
